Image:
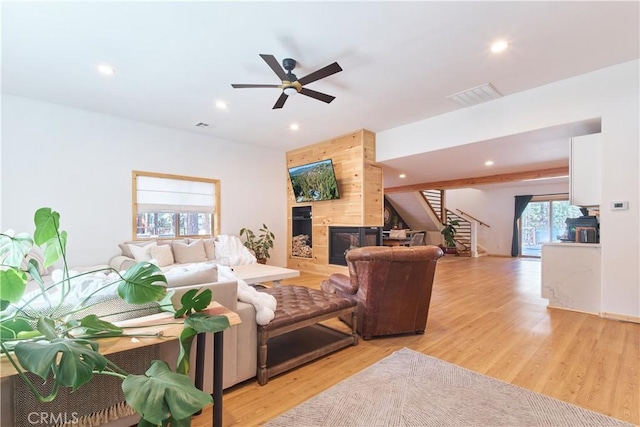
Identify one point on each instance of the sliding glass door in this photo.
(543, 221)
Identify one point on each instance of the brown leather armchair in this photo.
(392, 286)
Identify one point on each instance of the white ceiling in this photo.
(401, 60)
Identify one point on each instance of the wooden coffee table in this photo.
(258, 273)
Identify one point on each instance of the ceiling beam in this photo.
(482, 180)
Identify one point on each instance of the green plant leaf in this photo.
(71, 360)
(203, 322)
(194, 324)
(11, 328)
(47, 235)
(192, 301)
(14, 248)
(95, 325)
(145, 423)
(186, 340)
(161, 393)
(54, 249)
(47, 327)
(47, 223)
(166, 303)
(12, 284)
(34, 271)
(138, 285)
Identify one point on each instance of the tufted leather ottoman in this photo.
(301, 338)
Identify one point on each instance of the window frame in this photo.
(215, 215)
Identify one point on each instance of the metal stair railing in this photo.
(463, 233)
(467, 228)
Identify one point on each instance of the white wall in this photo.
(495, 206)
(612, 94)
(79, 163)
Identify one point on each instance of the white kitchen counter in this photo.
(569, 244)
(571, 276)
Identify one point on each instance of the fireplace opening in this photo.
(342, 239)
(301, 232)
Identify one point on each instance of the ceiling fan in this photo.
(290, 83)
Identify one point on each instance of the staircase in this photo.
(464, 229)
(435, 199)
(463, 233)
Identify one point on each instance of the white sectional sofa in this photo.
(186, 264)
(240, 341)
(167, 254)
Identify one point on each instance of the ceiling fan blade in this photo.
(320, 74)
(317, 95)
(280, 102)
(237, 86)
(273, 63)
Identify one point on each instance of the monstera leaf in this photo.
(14, 248)
(95, 325)
(139, 284)
(161, 393)
(193, 301)
(12, 284)
(71, 360)
(10, 329)
(48, 235)
(195, 324)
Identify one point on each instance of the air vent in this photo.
(202, 125)
(475, 95)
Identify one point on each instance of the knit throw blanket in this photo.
(264, 304)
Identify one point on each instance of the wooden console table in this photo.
(159, 325)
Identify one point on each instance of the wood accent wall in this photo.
(361, 195)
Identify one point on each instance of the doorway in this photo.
(543, 221)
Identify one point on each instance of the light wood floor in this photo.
(486, 315)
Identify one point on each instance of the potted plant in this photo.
(64, 350)
(259, 245)
(449, 233)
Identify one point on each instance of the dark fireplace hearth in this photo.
(341, 239)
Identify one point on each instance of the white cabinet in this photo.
(584, 170)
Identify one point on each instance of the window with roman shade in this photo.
(174, 206)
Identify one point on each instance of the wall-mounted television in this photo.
(314, 182)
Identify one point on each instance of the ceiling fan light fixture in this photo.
(290, 90)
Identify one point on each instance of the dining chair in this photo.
(417, 240)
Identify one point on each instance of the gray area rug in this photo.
(409, 388)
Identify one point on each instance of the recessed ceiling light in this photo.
(488, 163)
(106, 70)
(402, 175)
(294, 126)
(221, 105)
(499, 46)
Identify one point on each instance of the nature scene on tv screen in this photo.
(314, 182)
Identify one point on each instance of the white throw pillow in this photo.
(142, 253)
(192, 252)
(163, 254)
(210, 249)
